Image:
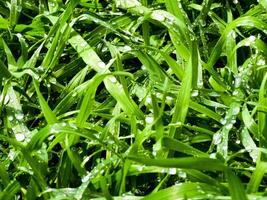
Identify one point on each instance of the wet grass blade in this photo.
(48, 113)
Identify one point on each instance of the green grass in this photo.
(129, 99)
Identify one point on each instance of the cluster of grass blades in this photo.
(128, 99)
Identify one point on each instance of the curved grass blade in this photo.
(176, 145)
(48, 113)
(184, 191)
(186, 163)
(256, 177)
(10, 191)
(183, 98)
(236, 188)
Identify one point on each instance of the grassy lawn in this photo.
(133, 99)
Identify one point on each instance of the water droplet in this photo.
(19, 116)
(237, 141)
(238, 80)
(53, 130)
(229, 126)
(213, 155)
(200, 84)
(52, 4)
(236, 110)
(217, 138)
(182, 174)
(235, 1)
(172, 171)
(148, 100)
(53, 80)
(149, 119)
(194, 93)
(11, 155)
(233, 121)
(164, 170)
(127, 48)
(10, 117)
(74, 94)
(20, 137)
(261, 62)
(102, 65)
(233, 34)
(51, 137)
(63, 124)
(235, 93)
(140, 168)
(112, 79)
(214, 94)
(159, 95)
(252, 39)
(86, 177)
(223, 121)
(72, 125)
(158, 16)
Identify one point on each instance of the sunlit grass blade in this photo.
(176, 145)
(48, 113)
(183, 98)
(256, 177)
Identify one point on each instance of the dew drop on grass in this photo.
(19, 116)
(172, 171)
(182, 174)
(148, 100)
(200, 84)
(158, 16)
(20, 137)
(149, 119)
(140, 168)
(74, 94)
(217, 138)
(214, 94)
(112, 79)
(252, 39)
(127, 48)
(53, 130)
(229, 126)
(223, 121)
(163, 170)
(72, 125)
(213, 155)
(86, 178)
(102, 65)
(233, 121)
(194, 93)
(261, 62)
(11, 155)
(10, 117)
(51, 137)
(53, 80)
(238, 80)
(235, 93)
(236, 110)
(237, 141)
